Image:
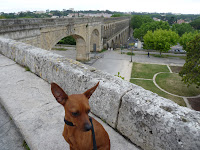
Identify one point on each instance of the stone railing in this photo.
(11, 25)
(149, 121)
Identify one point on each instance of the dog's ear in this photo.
(58, 93)
(89, 92)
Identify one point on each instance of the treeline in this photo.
(48, 14)
(161, 36)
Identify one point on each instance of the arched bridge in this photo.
(90, 33)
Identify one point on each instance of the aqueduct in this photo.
(91, 34)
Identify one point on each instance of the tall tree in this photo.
(186, 38)
(160, 40)
(138, 20)
(196, 23)
(182, 28)
(190, 72)
(151, 26)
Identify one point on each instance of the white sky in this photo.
(174, 6)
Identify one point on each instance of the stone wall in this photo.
(148, 120)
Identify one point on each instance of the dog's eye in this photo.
(75, 114)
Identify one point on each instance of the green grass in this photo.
(172, 83)
(130, 53)
(149, 85)
(167, 56)
(147, 71)
(103, 50)
(27, 69)
(60, 49)
(25, 145)
(176, 69)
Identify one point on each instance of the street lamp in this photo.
(131, 44)
(131, 53)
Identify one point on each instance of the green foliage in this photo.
(182, 28)
(191, 70)
(2, 17)
(68, 40)
(196, 23)
(103, 50)
(160, 40)
(138, 20)
(118, 75)
(186, 38)
(27, 69)
(116, 15)
(26, 147)
(151, 26)
(130, 53)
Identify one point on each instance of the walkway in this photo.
(113, 62)
(32, 107)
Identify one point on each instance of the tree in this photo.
(160, 40)
(138, 20)
(182, 28)
(151, 26)
(68, 40)
(196, 23)
(186, 38)
(190, 72)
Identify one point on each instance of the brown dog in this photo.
(78, 128)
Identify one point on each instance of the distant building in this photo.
(180, 21)
(55, 17)
(72, 9)
(156, 19)
(106, 15)
(39, 12)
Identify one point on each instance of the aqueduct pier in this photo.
(91, 34)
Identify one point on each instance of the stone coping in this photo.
(148, 120)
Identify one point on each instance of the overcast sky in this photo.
(174, 6)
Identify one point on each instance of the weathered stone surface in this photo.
(157, 123)
(72, 76)
(146, 119)
(31, 105)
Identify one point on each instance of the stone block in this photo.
(74, 77)
(153, 122)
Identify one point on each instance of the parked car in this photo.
(179, 51)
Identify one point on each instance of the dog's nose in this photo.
(87, 127)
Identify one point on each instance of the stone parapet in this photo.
(11, 25)
(148, 120)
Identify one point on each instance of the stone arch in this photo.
(81, 54)
(94, 40)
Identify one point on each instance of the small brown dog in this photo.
(78, 126)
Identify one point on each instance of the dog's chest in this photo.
(79, 140)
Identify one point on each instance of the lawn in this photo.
(147, 71)
(167, 56)
(149, 85)
(176, 69)
(60, 49)
(172, 83)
